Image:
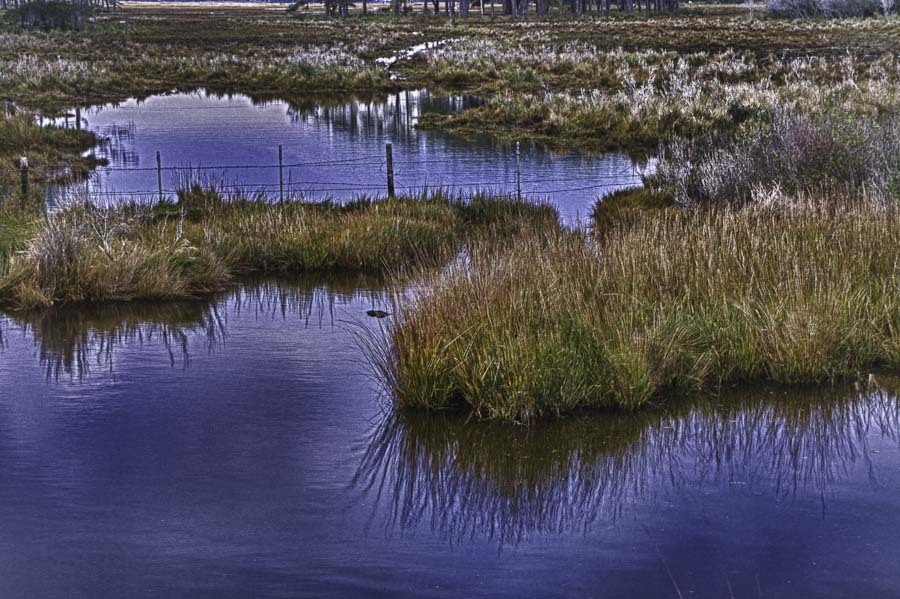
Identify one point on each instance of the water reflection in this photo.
(73, 341)
(78, 340)
(330, 149)
(116, 145)
(395, 117)
(469, 482)
(232, 453)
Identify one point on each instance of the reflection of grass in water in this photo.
(73, 340)
(313, 298)
(489, 480)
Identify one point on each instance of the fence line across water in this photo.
(27, 174)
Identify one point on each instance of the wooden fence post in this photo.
(280, 175)
(23, 170)
(518, 173)
(159, 175)
(389, 156)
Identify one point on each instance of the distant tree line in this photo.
(522, 8)
(51, 14)
(515, 8)
(10, 4)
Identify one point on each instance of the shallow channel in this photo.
(331, 150)
(238, 446)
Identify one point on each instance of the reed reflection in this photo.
(475, 481)
(394, 116)
(78, 341)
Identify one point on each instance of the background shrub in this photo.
(50, 15)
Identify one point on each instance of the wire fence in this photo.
(375, 177)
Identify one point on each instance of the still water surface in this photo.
(238, 447)
(330, 150)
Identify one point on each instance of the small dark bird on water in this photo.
(377, 313)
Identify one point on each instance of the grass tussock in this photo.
(90, 254)
(94, 254)
(363, 235)
(625, 207)
(682, 302)
(21, 135)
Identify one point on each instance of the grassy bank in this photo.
(638, 99)
(594, 81)
(47, 149)
(196, 246)
(679, 303)
(732, 278)
(256, 51)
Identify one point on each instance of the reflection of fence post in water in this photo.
(23, 169)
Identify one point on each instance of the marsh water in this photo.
(329, 150)
(238, 446)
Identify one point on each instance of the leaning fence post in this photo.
(159, 176)
(23, 170)
(389, 156)
(280, 176)
(518, 173)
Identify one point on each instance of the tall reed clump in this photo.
(86, 253)
(682, 302)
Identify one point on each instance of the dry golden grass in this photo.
(91, 254)
(679, 302)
